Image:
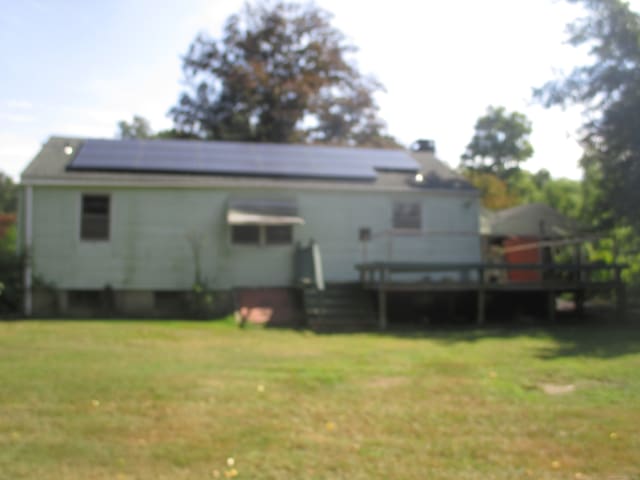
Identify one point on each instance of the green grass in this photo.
(131, 399)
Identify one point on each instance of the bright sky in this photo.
(74, 67)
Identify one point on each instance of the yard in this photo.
(133, 399)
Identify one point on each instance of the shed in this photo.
(525, 234)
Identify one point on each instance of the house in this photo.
(133, 225)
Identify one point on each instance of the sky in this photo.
(76, 68)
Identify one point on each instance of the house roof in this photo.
(531, 220)
(156, 163)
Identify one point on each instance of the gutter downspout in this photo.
(28, 241)
(317, 266)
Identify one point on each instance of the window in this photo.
(364, 234)
(94, 222)
(168, 303)
(278, 235)
(407, 216)
(261, 234)
(245, 234)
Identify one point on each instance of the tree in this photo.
(609, 91)
(494, 191)
(564, 195)
(500, 142)
(8, 194)
(522, 187)
(280, 73)
(138, 128)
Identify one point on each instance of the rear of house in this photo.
(146, 221)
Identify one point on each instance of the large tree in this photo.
(280, 73)
(138, 128)
(500, 142)
(609, 90)
(8, 194)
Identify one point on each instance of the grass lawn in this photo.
(134, 399)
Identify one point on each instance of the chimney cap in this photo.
(424, 145)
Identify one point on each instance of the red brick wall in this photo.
(271, 306)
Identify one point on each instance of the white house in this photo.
(145, 220)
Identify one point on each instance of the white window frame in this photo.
(406, 204)
(109, 220)
(262, 238)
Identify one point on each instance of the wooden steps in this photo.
(340, 307)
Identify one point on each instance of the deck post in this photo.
(382, 309)
(551, 305)
(621, 295)
(577, 259)
(382, 300)
(481, 306)
(480, 314)
(578, 298)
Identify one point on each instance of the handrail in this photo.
(437, 267)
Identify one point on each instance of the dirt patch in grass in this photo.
(557, 389)
(387, 382)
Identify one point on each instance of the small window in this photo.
(278, 234)
(407, 216)
(364, 234)
(169, 303)
(245, 234)
(84, 299)
(94, 224)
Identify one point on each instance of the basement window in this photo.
(94, 221)
(407, 216)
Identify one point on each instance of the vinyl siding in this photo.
(152, 232)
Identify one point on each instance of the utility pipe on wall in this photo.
(28, 241)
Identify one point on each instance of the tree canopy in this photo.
(522, 187)
(138, 128)
(280, 73)
(609, 90)
(500, 142)
(8, 194)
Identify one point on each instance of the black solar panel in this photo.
(232, 158)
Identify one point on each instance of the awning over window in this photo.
(263, 212)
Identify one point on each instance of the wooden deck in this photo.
(473, 277)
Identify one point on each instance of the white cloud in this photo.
(19, 105)
(16, 117)
(13, 150)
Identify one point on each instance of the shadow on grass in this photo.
(592, 336)
(573, 340)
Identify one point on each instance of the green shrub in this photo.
(11, 287)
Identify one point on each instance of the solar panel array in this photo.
(232, 158)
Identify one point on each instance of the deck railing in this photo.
(380, 273)
(553, 279)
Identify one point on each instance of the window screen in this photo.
(278, 234)
(407, 216)
(94, 224)
(245, 234)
